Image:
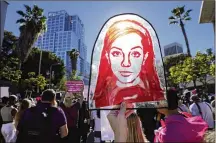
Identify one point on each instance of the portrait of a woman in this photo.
(127, 70)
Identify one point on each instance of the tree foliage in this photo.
(180, 16)
(9, 63)
(33, 81)
(48, 59)
(32, 24)
(74, 55)
(177, 76)
(62, 84)
(194, 69)
(170, 62)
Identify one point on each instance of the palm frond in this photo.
(21, 20)
(182, 9)
(187, 13)
(43, 19)
(172, 18)
(21, 13)
(188, 19)
(173, 22)
(174, 10)
(28, 9)
(36, 9)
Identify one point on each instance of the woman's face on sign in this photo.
(126, 57)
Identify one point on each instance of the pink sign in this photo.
(74, 86)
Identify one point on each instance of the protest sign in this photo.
(126, 64)
(75, 86)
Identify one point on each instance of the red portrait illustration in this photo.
(127, 69)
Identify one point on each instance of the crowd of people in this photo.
(48, 119)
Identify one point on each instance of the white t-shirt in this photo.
(206, 112)
(97, 120)
(9, 132)
(183, 108)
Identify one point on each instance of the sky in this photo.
(94, 14)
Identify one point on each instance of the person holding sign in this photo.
(71, 109)
(127, 127)
(127, 69)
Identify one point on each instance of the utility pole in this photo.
(39, 68)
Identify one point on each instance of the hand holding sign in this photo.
(118, 123)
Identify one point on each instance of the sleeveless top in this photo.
(6, 114)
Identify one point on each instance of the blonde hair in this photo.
(209, 137)
(135, 132)
(25, 104)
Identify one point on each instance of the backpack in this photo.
(38, 129)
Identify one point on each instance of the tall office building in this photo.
(3, 5)
(65, 32)
(173, 49)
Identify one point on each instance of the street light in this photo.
(51, 72)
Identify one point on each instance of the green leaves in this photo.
(28, 9)
(21, 21)
(32, 24)
(187, 19)
(179, 13)
(212, 70)
(74, 54)
(171, 18)
(21, 13)
(173, 22)
(48, 59)
(34, 81)
(193, 69)
(74, 76)
(61, 85)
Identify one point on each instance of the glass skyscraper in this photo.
(173, 49)
(65, 32)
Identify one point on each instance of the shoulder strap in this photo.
(208, 106)
(180, 108)
(199, 109)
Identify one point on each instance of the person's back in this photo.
(182, 107)
(204, 110)
(5, 113)
(177, 128)
(42, 123)
(8, 130)
(6, 110)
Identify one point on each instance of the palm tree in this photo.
(74, 54)
(32, 24)
(179, 17)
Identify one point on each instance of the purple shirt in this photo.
(72, 114)
(58, 118)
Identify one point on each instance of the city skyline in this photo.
(201, 36)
